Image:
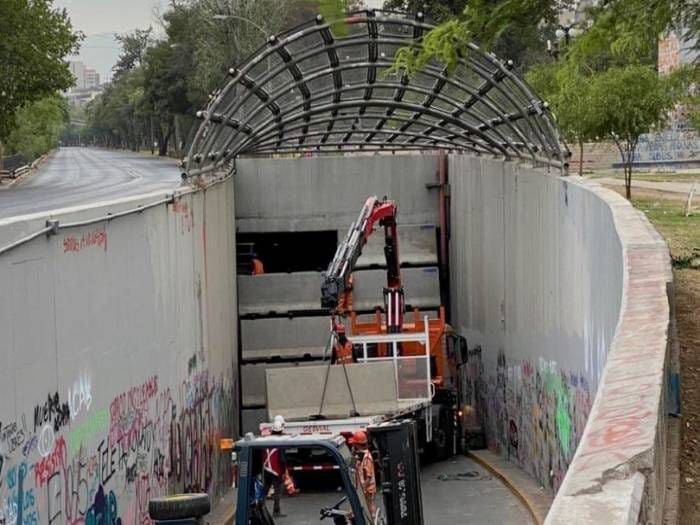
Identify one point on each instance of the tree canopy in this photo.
(35, 39)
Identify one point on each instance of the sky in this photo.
(100, 19)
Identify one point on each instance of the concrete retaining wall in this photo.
(558, 286)
(117, 358)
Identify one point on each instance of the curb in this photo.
(537, 517)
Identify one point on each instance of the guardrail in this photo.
(54, 226)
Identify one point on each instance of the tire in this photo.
(443, 437)
(179, 506)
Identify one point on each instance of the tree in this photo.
(627, 102)
(437, 10)
(39, 127)
(134, 46)
(511, 27)
(34, 40)
(568, 93)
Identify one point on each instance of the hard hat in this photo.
(278, 424)
(358, 438)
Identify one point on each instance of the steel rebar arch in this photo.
(481, 106)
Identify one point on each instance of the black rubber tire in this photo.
(179, 506)
(443, 437)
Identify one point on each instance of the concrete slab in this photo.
(421, 287)
(373, 388)
(284, 337)
(251, 419)
(417, 245)
(253, 381)
(280, 293)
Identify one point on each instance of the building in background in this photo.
(92, 78)
(87, 84)
(77, 69)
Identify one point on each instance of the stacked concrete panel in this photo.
(281, 316)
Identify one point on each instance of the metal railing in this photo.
(54, 226)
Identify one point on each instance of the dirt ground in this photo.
(687, 289)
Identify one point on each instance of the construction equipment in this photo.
(402, 368)
(398, 472)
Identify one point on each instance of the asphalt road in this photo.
(75, 176)
(457, 491)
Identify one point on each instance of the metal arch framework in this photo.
(328, 87)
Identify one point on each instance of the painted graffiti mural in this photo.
(73, 462)
(533, 413)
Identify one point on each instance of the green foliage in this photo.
(627, 102)
(34, 39)
(436, 10)
(159, 84)
(486, 22)
(39, 127)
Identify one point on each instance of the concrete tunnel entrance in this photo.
(537, 270)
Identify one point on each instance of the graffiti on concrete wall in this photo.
(673, 145)
(70, 461)
(533, 413)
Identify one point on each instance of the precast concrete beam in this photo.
(417, 245)
(281, 293)
(253, 381)
(284, 337)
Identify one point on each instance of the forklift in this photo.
(396, 456)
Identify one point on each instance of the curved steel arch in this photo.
(327, 86)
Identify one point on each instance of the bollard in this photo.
(179, 509)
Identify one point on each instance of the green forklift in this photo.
(396, 467)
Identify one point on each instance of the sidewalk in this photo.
(668, 187)
(535, 498)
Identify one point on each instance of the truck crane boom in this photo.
(336, 280)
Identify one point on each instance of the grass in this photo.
(682, 233)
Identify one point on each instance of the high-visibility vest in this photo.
(258, 268)
(343, 354)
(364, 474)
(273, 462)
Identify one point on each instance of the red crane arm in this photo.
(336, 279)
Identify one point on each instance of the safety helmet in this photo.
(358, 438)
(278, 424)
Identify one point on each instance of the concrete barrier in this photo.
(117, 358)
(560, 289)
(280, 293)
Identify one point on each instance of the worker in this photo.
(364, 469)
(258, 267)
(274, 467)
(342, 350)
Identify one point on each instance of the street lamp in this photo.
(565, 33)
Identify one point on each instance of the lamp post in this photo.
(565, 34)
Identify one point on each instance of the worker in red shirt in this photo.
(342, 350)
(364, 469)
(258, 267)
(274, 467)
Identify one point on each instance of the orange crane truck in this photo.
(401, 366)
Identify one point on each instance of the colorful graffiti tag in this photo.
(534, 414)
(83, 464)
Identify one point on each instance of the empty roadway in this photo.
(76, 176)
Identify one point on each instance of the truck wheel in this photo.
(179, 506)
(443, 437)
